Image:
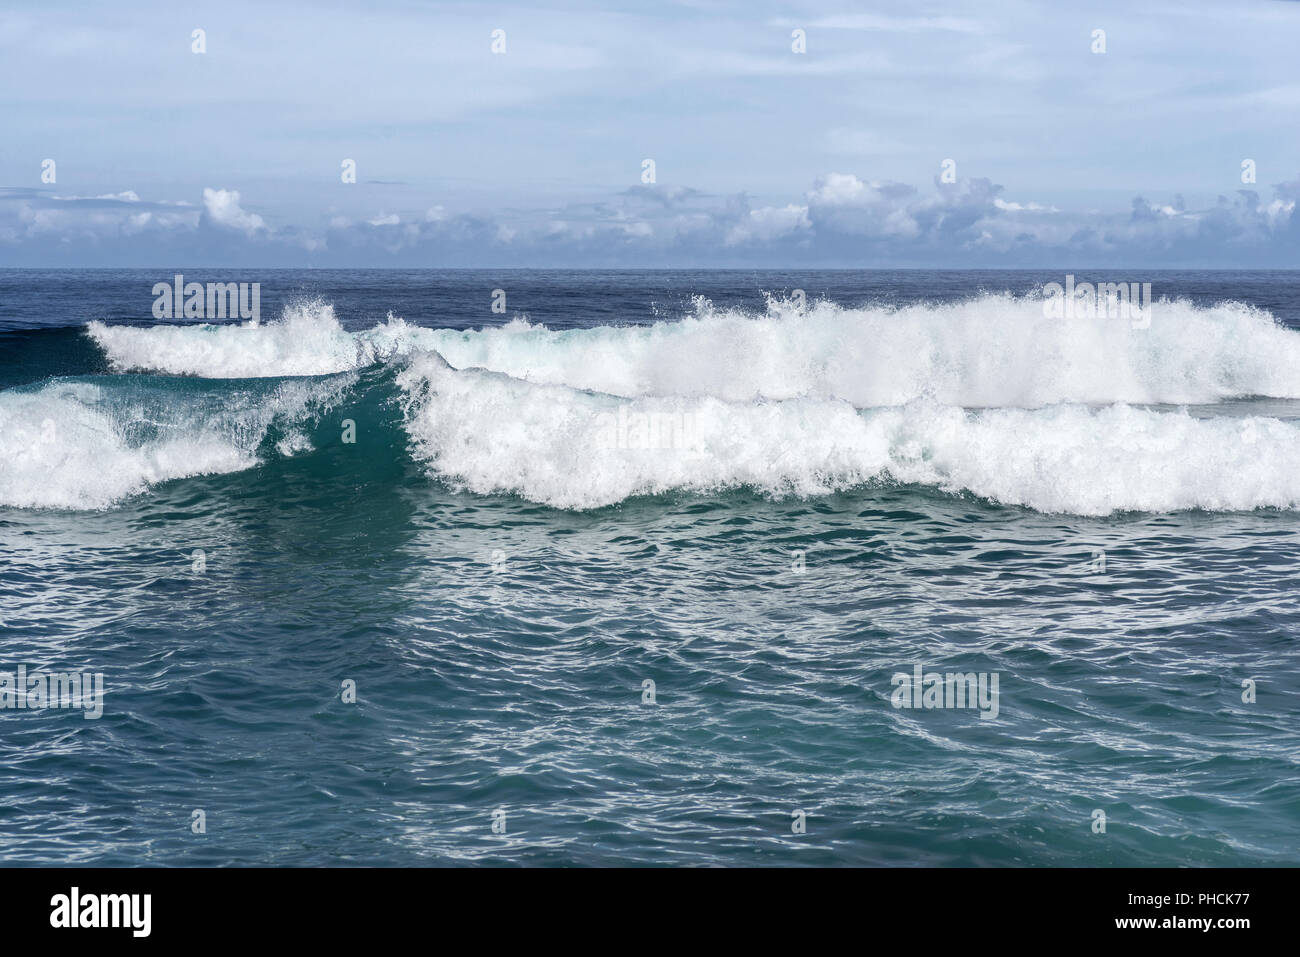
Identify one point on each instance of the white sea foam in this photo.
(307, 340)
(74, 444)
(488, 433)
(985, 397)
(991, 351)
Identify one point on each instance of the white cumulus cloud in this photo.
(222, 206)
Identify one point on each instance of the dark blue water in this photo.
(462, 298)
(918, 471)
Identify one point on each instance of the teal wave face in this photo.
(34, 355)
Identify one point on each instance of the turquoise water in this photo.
(461, 564)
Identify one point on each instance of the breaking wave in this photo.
(993, 351)
(79, 444)
(485, 432)
(985, 397)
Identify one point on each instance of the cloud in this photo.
(842, 219)
(770, 224)
(221, 206)
(663, 195)
(38, 223)
(126, 196)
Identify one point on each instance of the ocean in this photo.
(650, 568)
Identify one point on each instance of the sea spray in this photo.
(988, 351)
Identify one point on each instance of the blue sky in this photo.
(763, 156)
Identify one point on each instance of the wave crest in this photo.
(82, 445)
(992, 351)
(487, 433)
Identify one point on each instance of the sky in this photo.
(941, 134)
